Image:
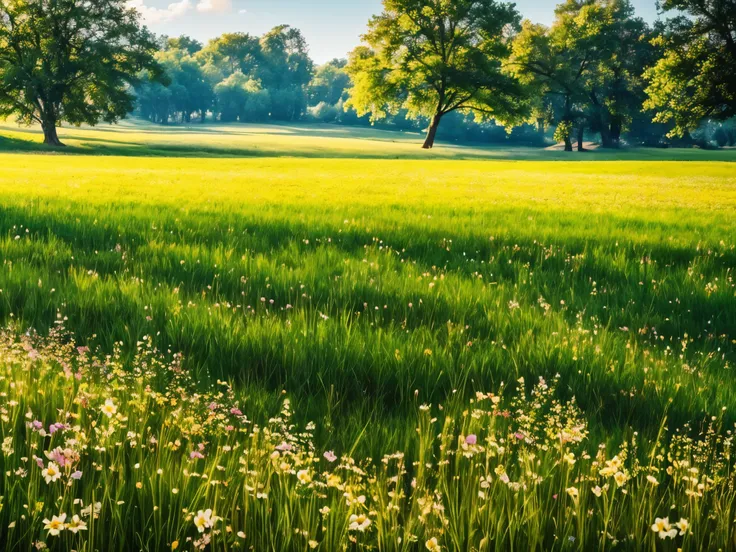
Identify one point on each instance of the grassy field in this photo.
(302, 263)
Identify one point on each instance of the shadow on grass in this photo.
(119, 140)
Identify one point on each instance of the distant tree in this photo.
(589, 65)
(696, 77)
(553, 63)
(185, 43)
(240, 98)
(329, 83)
(434, 57)
(232, 52)
(70, 60)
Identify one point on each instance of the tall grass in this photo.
(104, 454)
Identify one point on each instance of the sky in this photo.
(331, 27)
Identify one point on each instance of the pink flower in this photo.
(236, 412)
(471, 439)
(196, 454)
(76, 475)
(330, 456)
(519, 436)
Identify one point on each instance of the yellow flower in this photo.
(573, 492)
(175, 545)
(432, 545)
(652, 480)
(313, 544)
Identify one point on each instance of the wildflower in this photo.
(204, 520)
(471, 439)
(304, 477)
(76, 524)
(175, 545)
(663, 528)
(51, 472)
(620, 478)
(56, 525)
(597, 491)
(569, 458)
(313, 544)
(330, 456)
(652, 480)
(109, 409)
(432, 545)
(683, 525)
(359, 522)
(573, 492)
(77, 475)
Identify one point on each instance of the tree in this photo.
(70, 60)
(329, 83)
(434, 57)
(588, 66)
(696, 77)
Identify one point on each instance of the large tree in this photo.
(588, 65)
(434, 57)
(70, 60)
(696, 78)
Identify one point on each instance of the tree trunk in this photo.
(568, 143)
(616, 133)
(203, 117)
(432, 132)
(581, 137)
(50, 138)
(540, 126)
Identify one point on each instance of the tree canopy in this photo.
(70, 60)
(433, 57)
(695, 79)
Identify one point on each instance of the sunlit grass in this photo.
(364, 288)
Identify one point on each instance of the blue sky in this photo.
(332, 27)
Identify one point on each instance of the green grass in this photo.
(137, 138)
(363, 285)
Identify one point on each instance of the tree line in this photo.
(466, 69)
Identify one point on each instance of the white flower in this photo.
(359, 522)
(109, 409)
(56, 525)
(76, 524)
(304, 477)
(204, 520)
(663, 528)
(683, 525)
(51, 472)
(432, 545)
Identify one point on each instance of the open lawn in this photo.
(300, 260)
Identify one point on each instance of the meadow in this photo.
(255, 317)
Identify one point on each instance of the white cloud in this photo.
(214, 6)
(161, 15)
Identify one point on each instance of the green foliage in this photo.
(433, 57)
(696, 77)
(587, 68)
(70, 61)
